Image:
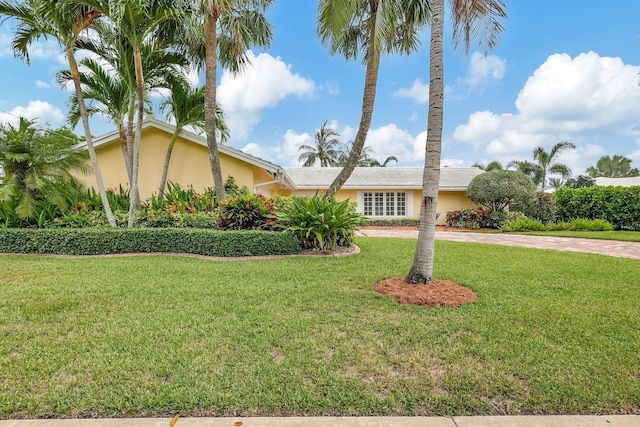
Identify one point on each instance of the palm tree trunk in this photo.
(368, 100)
(135, 195)
(73, 65)
(211, 64)
(422, 268)
(165, 168)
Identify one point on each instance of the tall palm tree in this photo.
(492, 166)
(140, 22)
(367, 29)
(185, 105)
(36, 163)
(326, 150)
(64, 21)
(546, 163)
(231, 28)
(617, 166)
(479, 18)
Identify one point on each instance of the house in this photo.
(379, 192)
(615, 182)
(189, 163)
(389, 192)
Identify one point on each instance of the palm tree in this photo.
(368, 28)
(139, 22)
(63, 21)
(185, 105)
(326, 150)
(546, 163)
(36, 164)
(470, 18)
(375, 163)
(492, 166)
(231, 28)
(617, 166)
(532, 170)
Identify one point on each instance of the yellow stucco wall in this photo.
(447, 200)
(189, 166)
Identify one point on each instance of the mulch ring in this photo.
(438, 293)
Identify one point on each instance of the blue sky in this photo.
(563, 70)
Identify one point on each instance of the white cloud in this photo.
(483, 69)
(565, 99)
(265, 83)
(418, 91)
(42, 84)
(41, 111)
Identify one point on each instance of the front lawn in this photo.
(623, 236)
(552, 333)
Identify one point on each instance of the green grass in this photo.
(552, 333)
(623, 236)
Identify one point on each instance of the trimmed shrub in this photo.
(525, 224)
(246, 212)
(512, 217)
(320, 223)
(620, 206)
(404, 222)
(95, 241)
(498, 189)
(469, 218)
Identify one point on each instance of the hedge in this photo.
(618, 205)
(96, 241)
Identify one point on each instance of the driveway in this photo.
(602, 247)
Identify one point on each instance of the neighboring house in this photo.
(189, 163)
(389, 192)
(615, 182)
(379, 192)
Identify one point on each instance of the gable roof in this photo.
(623, 182)
(451, 179)
(152, 122)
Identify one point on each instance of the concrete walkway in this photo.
(602, 247)
(496, 421)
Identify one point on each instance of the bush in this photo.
(581, 224)
(403, 222)
(320, 223)
(542, 207)
(498, 189)
(247, 212)
(94, 241)
(469, 218)
(525, 224)
(512, 217)
(620, 206)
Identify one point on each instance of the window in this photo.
(384, 203)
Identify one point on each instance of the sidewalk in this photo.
(495, 421)
(602, 247)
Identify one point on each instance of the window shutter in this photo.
(360, 201)
(409, 198)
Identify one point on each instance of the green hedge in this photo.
(618, 205)
(402, 222)
(95, 241)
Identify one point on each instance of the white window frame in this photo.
(385, 204)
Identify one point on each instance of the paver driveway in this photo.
(603, 247)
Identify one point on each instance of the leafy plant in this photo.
(246, 212)
(498, 189)
(582, 224)
(617, 205)
(469, 218)
(541, 207)
(320, 223)
(525, 224)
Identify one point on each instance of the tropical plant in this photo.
(229, 29)
(185, 105)
(492, 166)
(246, 212)
(544, 164)
(528, 168)
(326, 149)
(580, 182)
(617, 166)
(37, 166)
(525, 224)
(138, 21)
(498, 189)
(63, 21)
(470, 18)
(375, 163)
(368, 29)
(320, 223)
